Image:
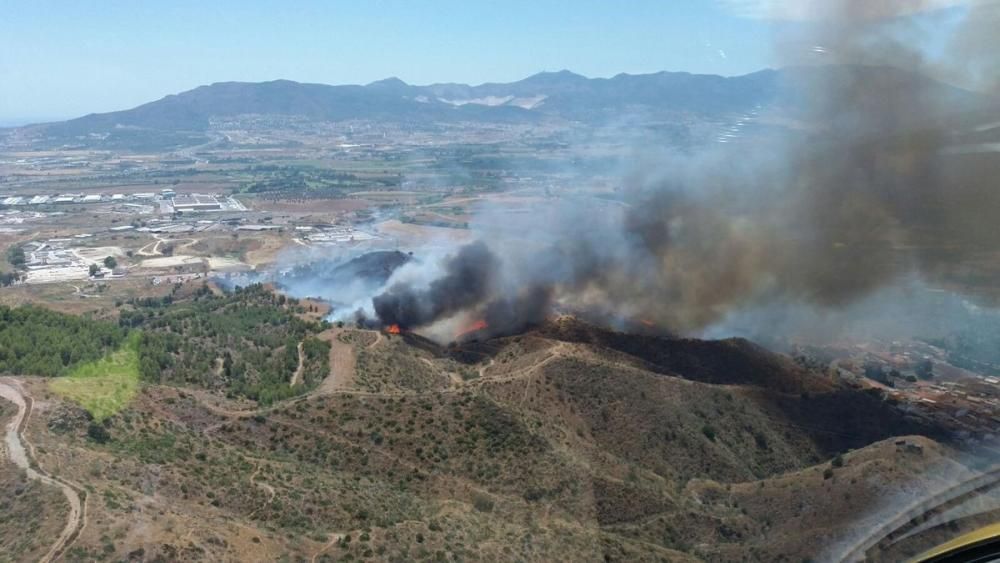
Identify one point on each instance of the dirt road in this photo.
(342, 363)
(21, 454)
(297, 376)
(160, 240)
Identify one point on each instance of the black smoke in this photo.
(874, 183)
(465, 281)
(511, 314)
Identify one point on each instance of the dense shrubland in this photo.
(243, 343)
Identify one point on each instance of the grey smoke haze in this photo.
(865, 195)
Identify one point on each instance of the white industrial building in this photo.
(196, 202)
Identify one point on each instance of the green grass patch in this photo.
(104, 386)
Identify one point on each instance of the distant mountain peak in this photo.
(391, 82)
(559, 75)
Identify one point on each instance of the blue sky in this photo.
(67, 58)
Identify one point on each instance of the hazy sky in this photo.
(67, 58)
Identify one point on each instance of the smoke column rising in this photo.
(466, 281)
(870, 191)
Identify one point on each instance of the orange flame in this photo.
(647, 322)
(477, 325)
(393, 329)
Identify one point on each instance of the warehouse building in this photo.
(196, 202)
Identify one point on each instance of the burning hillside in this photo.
(868, 195)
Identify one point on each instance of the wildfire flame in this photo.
(477, 325)
(394, 329)
(647, 322)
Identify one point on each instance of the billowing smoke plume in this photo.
(878, 178)
(465, 282)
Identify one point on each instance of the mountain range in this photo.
(561, 96)
(550, 94)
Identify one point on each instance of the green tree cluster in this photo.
(15, 255)
(244, 343)
(38, 341)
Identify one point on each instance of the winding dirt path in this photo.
(268, 488)
(160, 240)
(190, 242)
(297, 376)
(334, 538)
(482, 369)
(21, 453)
(343, 365)
(155, 250)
